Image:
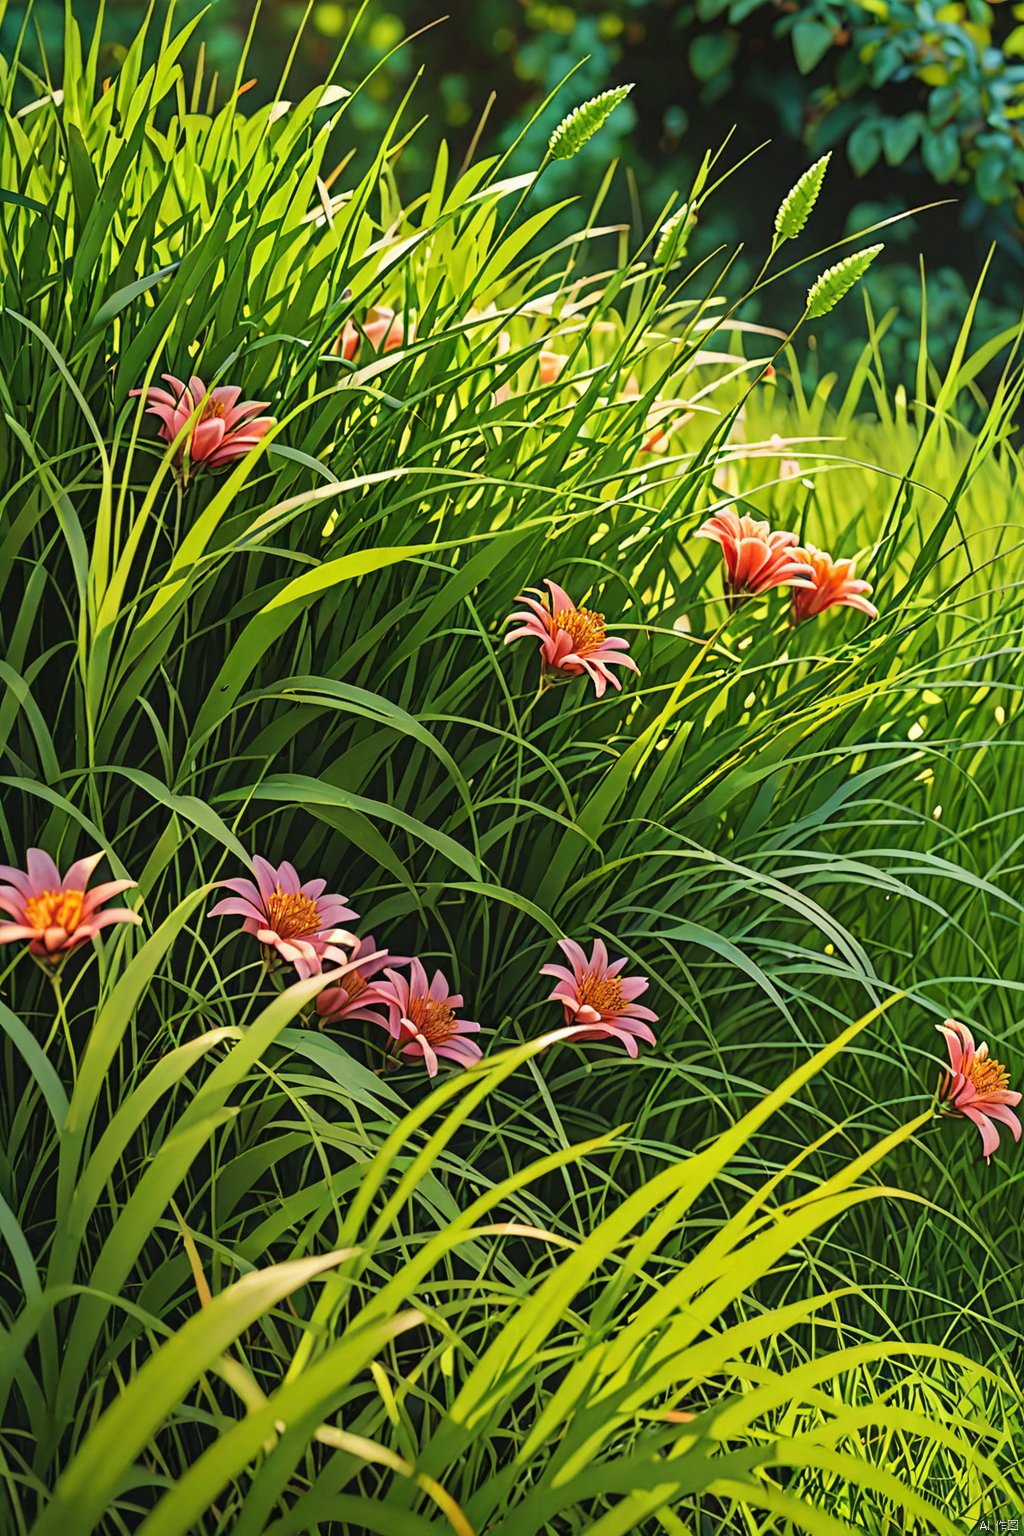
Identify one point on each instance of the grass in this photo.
(252, 1283)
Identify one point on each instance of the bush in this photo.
(939, 86)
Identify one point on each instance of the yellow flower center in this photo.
(211, 407)
(987, 1076)
(585, 628)
(293, 916)
(55, 909)
(435, 1021)
(602, 993)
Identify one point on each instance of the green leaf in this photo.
(38, 1063)
(86, 1488)
(120, 300)
(864, 146)
(899, 137)
(300, 789)
(940, 152)
(281, 611)
(811, 42)
(712, 52)
(83, 177)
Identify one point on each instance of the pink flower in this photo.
(658, 426)
(834, 585)
(975, 1086)
(221, 430)
(384, 330)
(504, 391)
(550, 365)
(357, 996)
(572, 639)
(756, 558)
(598, 999)
(298, 921)
(789, 468)
(57, 914)
(422, 1022)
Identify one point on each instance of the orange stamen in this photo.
(355, 985)
(293, 916)
(435, 1021)
(987, 1076)
(55, 909)
(585, 628)
(602, 993)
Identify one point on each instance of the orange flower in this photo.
(757, 558)
(299, 921)
(600, 1003)
(422, 1019)
(833, 584)
(383, 328)
(572, 640)
(550, 365)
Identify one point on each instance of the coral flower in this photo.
(298, 921)
(600, 1000)
(383, 328)
(57, 914)
(221, 430)
(834, 586)
(756, 557)
(358, 995)
(572, 640)
(975, 1086)
(550, 365)
(422, 1022)
(658, 424)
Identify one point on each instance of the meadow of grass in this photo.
(255, 1277)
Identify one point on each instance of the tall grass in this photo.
(253, 1283)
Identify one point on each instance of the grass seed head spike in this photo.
(836, 281)
(583, 122)
(674, 234)
(795, 208)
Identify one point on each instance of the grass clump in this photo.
(616, 1269)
